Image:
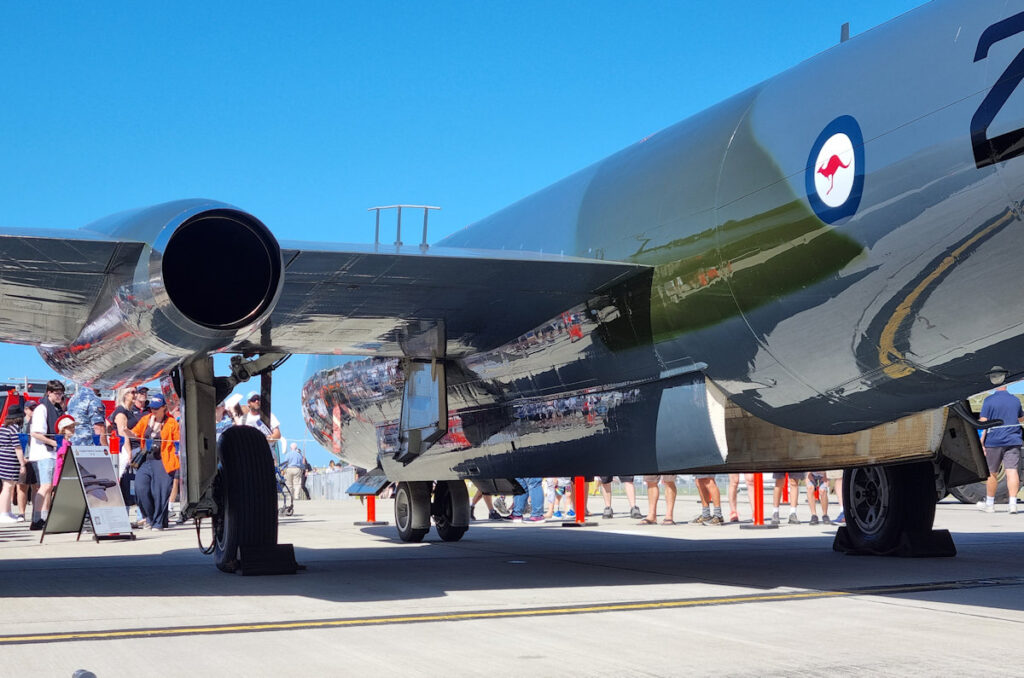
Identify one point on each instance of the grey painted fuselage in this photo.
(814, 312)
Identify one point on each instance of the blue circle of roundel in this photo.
(847, 125)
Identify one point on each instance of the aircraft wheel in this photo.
(972, 493)
(883, 502)
(412, 510)
(450, 509)
(246, 494)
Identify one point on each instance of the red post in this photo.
(758, 491)
(581, 499)
(371, 509)
(785, 489)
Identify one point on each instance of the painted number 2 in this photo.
(1011, 144)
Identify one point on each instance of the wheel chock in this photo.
(267, 559)
(923, 544)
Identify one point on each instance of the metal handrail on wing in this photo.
(398, 231)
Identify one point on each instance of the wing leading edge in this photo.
(353, 300)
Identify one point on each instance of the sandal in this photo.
(733, 518)
(647, 521)
(668, 521)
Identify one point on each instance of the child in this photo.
(65, 427)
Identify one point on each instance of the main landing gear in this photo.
(232, 481)
(414, 509)
(890, 510)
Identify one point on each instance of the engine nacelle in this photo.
(208, 275)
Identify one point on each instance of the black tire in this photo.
(972, 493)
(449, 496)
(412, 510)
(883, 502)
(246, 493)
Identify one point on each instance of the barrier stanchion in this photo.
(580, 495)
(785, 490)
(371, 513)
(758, 491)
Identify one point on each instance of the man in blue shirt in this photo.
(1002, 444)
(292, 467)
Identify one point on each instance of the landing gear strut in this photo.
(889, 511)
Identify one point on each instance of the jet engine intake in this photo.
(208, 276)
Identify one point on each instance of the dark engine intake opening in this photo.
(221, 269)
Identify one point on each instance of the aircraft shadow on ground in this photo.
(510, 558)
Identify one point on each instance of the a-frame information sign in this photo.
(88, 486)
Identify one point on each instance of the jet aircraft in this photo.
(800, 277)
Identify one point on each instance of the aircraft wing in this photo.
(57, 287)
(50, 282)
(351, 299)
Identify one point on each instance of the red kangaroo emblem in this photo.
(829, 169)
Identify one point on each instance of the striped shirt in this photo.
(10, 469)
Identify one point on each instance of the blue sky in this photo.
(306, 114)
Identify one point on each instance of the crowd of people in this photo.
(144, 430)
(554, 498)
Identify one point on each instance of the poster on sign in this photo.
(103, 497)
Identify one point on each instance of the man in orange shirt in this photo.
(157, 433)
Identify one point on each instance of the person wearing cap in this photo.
(157, 433)
(66, 426)
(273, 432)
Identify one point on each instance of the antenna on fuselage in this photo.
(844, 32)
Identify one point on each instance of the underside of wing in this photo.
(50, 282)
(357, 301)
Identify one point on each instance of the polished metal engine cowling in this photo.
(207, 276)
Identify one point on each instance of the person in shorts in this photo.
(669, 481)
(817, 491)
(606, 494)
(710, 496)
(1002, 445)
(794, 496)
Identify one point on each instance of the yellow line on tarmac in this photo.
(490, 614)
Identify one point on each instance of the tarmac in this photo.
(615, 599)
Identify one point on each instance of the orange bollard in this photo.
(580, 490)
(758, 491)
(371, 513)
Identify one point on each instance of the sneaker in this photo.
(36, 525)
(608, 513)
(841, 518)
(775, 517)
(157, 528)
(793, 520)
(20, 517)
(635, 513)
(715, 520)
(1013, 509)
(701, 520)
(989, 508)
(7, 518)
(534, 519)
(814, 519)
(472, 513)
(515, 518)
(557, 514)
(826, 520)
(570, 514)
(499, 506)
